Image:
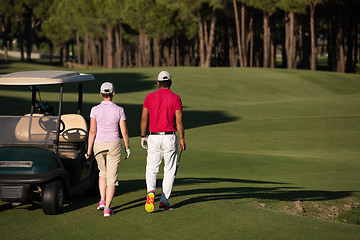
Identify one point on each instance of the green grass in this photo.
(272, 154)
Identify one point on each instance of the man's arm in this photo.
(144, 121)
(180, 129)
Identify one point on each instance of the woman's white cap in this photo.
(107, 87)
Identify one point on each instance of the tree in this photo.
(312, 5)
(240, 41)
(268, 7)
(291, 7)
(59, 27)
(5, 23)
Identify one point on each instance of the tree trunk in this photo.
(172, 53)
(86, 49)
(266, 41)
(243, 35)
(238, 34)
(166, 56)
(201, 40)
(177, 51)
(147, 50)
(251, 40)
(350, 20)
(232, 51)
(156, 52)
(272, 54)
(313, 37)
(118, 47)
(290, 40)
(210, 43)
(51, 50)
(78, 47)
(109, 48)
(94, 54)
(340, 43)
(124, 56)
(20, 38)
(4, 40)
(186, 57)
(29, 41)
(63, 54)
(356, 42)
(99, 51)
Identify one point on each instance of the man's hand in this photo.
(144, 143)
(182, 145)
(127, 153)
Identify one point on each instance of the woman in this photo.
(105, 120)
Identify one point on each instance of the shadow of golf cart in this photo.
(42, 154)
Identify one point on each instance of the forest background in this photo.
(306, 34)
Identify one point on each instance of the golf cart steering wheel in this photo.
(62, 126)
(74, 134)
(48, 127)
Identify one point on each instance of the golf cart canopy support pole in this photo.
(59, 119)
(33, 99)
(80, 98)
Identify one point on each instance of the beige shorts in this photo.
(108, 162)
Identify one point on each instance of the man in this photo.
(105, 120)
(163, 110)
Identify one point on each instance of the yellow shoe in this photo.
(149, 205)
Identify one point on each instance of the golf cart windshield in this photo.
(25, 130)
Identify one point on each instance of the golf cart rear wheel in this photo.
(52, 197)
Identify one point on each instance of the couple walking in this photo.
(162, 113)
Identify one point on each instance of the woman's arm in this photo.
(91, 137)
(124, 133)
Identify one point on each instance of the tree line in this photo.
(205, 33)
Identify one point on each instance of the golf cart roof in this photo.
(43, 77)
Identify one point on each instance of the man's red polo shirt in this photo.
(162, 105)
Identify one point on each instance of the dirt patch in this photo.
(324, 210)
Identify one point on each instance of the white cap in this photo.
(164, 76)
(107, 87)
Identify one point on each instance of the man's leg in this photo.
(153, 162)
(170, 155)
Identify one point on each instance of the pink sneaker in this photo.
(108, 212)
(101, 205)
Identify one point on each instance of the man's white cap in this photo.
(107, 87)
(164, 76)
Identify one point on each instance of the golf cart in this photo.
(42, 154)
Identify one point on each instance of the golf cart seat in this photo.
(41, 129)
(73, 138)
(75, 129)
(35, 128)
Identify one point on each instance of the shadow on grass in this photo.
(197, 194)
(192, 119)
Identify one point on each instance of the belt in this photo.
(162, 133)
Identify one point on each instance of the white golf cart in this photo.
(42, 153)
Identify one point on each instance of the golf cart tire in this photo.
(52, 197)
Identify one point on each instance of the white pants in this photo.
(161, 146)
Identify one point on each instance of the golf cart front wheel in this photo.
(52, 197)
